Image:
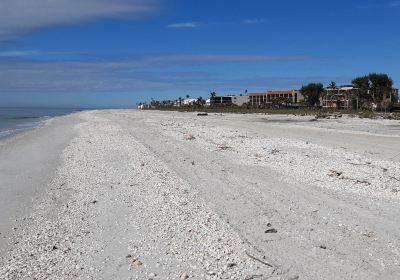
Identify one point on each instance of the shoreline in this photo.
(21, 119)
(28, 162)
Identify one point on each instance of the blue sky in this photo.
(116, 53)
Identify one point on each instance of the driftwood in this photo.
(253, 277)
(394, 178)
(260, 261)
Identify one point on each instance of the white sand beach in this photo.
(127, 194)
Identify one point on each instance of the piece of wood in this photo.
(256, 259)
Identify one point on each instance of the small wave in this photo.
(27, 124)
(5, 133)
(10, 132)
(23, 118)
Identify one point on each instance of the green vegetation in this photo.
(374, 88)
(251, 110)
(312, 93)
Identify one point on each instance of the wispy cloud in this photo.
(17, 53)
(20, 16)
(25, 75)
(185, 25)
(254, 21)
(394, 4)
(165, 60)
(195, 24)
(380, 5)
(37, 54)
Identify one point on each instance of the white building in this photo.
(189, 101)
(240, 100)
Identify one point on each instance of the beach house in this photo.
(338, 97)
(268, 97)
(189, 101)
(342, 97)
(228, 100)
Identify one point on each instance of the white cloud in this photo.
(185, 25)
(19, 16)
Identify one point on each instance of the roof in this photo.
(282, 92)
(341, 88)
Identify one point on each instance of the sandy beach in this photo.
(127, 194)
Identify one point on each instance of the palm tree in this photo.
(213, 94)
(187, 96)
(332, 85)
(200, 101)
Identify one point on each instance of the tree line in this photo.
(370, 90)
(374, 90)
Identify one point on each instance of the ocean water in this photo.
(16, 120)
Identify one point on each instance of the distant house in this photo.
(228, 100)
(189, 101)
(341, 97)
(240, 100)
(256, 99)
(338, 97)
(221, 101)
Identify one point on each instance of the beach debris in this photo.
(136, 263)
(274, 151)
(230, 265)
(250, 277)
(363, 182)
(369, 234)
(335, 173)
(223, 147)
(190, 137)
(193, 163)
(322, 247)
(394, 178)
(271, 230)
(184, 276)
(202, 114)
(259, 260)
(328, 116)
(338, 174)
